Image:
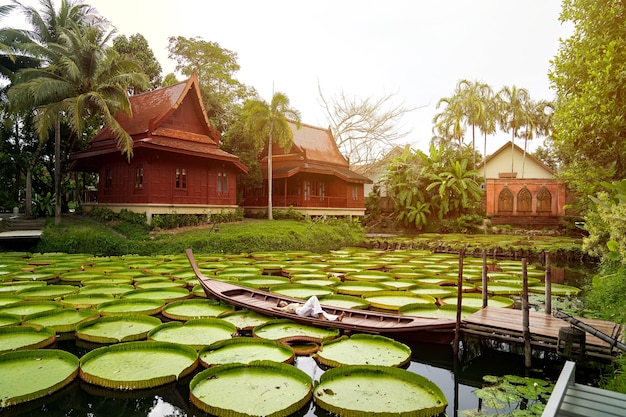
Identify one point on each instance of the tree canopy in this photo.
(589, 76)
(136, 47)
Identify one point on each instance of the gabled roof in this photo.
(506, 148)
(172, 118)
(313, 150)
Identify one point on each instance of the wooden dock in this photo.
(505, 325)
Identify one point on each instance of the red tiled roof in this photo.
(317, 144)
(152, 125)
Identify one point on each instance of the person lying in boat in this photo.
(311, 308)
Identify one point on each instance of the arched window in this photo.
(524, 200)
(544, 200)
(505, 201)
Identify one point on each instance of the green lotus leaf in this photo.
(25, 337)
(62, 320)
(49, 292)
(9, 320)
(14, 287)
(195, 309)
(294, 270)
(301, 291)
(476, 301)
(6, 299)
(502, 288)
(393, 300)
(436, 291)
(344, 301)
(24, 309)
(262, 281)
(32, 276)
(196, 333)
(245, 350)
(137, 365)
(261, 388)
(363, 349)
(359, 390)
(359, 288)
(368, 276)
(400, 284)
(79, 301)
(113, 289)
(244, 319)
(109, 279)
(131, 306)
(164, 294)
(557, 289)
(80, 276)
(31, 374)
(115, 329)
(286, 330)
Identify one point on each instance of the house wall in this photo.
(498, 204)
(198, 180)
(524, 167)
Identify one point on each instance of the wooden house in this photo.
(176, 165)
(313, 177)
(521, 190)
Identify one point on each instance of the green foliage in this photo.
(588, 76)
(606, 295)
(43, 206)
(604, 221)
(136, 47)
(512, 395)
(76, 235)
(614, 378)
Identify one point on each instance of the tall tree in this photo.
(588, 74)
(270, 122)
(476, 98)
(364, 129)
(449, 123)
(136, 47)
(538, 123)
(83, 80)
(216, 68)
(513, 104)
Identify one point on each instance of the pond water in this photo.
(432, 361)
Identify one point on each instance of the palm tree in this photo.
(456, 187)
(85, 79)
(476, 97)
(513, 112)
(538, 122)
(270, 122)
(449, 122)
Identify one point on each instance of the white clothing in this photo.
(313, 308)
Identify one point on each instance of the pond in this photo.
(432, 361)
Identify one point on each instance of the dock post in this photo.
(484, 278)
(459, 301)
(548, 279)
(526, 317)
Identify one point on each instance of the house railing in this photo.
(298, 201)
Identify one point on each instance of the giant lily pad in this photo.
(557, 289)
(62, 321)
(13, 287)
(245, 319)
(261, 388)
(359, 288)
(49, 292)
(6, 299)
(24, 309)
(115, 329)
(137, 365)
(31, 374)
(9, 320)
(358, 390)
(245, 350)
(195, 309)
(286, 330)
(302, 291)
(112, 289)
(79, 301)
(393, 300)
(196, 333)
(476, 301)
(165, 294)
(263, 282)
(363, 349)
(131, 306)
(345, 301)
(25, 337)
(369, 276)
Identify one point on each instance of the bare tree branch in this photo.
(364, 129)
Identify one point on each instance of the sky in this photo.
(414, 49)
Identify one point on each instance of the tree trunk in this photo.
(28, 204)
(269, 171)
(57, 171)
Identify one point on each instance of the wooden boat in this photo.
(357, 321)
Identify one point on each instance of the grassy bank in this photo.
(83, 235)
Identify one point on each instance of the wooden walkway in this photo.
(576, 400)
(505, 325)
